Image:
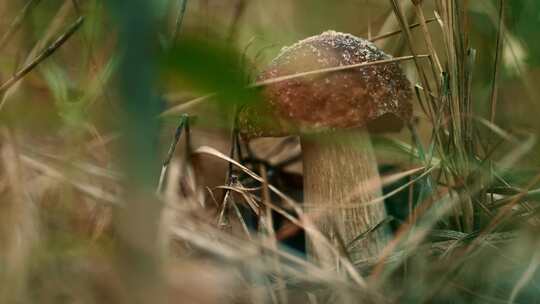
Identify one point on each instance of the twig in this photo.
(398, 12)
(436, 64)
(42, 56)
(354, 242)
(183, 107)
(181, 126)
(393, 33)
(335, 69)
(55, 26)
(304, 221)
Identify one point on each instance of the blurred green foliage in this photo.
(209, 67)
(523, 19)
(73, 90)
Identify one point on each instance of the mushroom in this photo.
(333, 113)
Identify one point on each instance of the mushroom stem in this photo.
(340, 177)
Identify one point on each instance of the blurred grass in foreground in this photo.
(86, 127)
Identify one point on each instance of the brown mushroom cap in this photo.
(376, 95)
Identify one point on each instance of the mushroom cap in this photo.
(374, 96)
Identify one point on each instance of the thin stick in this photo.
(189, 104)
(435, 62)
(396, 32)
(42, 56)
(170, 153)
(398, 12)
(54, 27)
(335, 69)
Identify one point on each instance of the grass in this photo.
(89, 111)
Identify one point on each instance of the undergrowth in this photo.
(123, 177)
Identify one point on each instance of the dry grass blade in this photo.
(335, 69)
(393, 192)
(428, 213)
(91, 190)
(19, 228)
(526, 277)
(392, 178)
(405, 27)
(54, 27)
(396, 32)
(497, 130)
(305, 222)
(436, 63)
(242, 252)
(40, 57)
(267, 225)
(80, 218)
(496, 69)
(78, 165)
(184, 107)
(459, 259)
(409, 237)
(192, 103)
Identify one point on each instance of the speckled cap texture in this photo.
(374, 95)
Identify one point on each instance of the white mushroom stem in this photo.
(340, 177)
